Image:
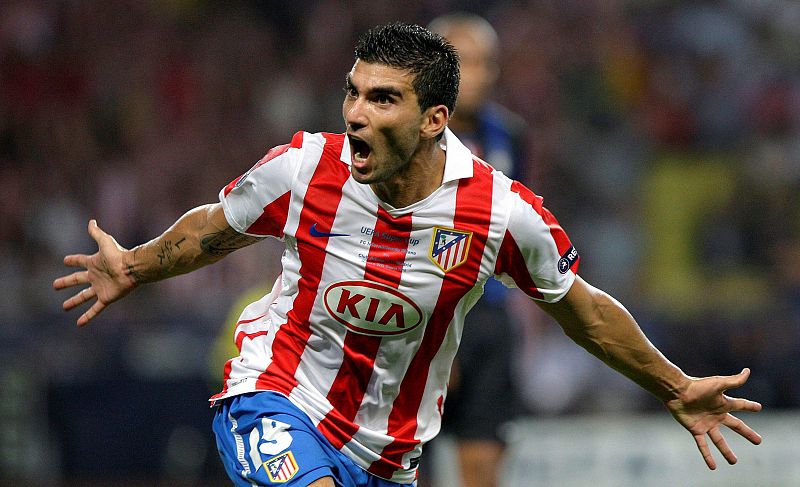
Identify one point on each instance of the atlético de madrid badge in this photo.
(449, 247)
(281, 468)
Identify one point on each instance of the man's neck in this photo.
(421, 177)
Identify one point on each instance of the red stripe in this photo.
(270, 155)
(296, 143)
(232, 184)
(226, 374)
(250, 320)
(273, 219)
(559, 235)
(460, 249)
(510, 261)
(473, 213)
(319, 206)
(447, 261)
(242, 335)
(351, 381)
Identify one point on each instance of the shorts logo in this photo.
(281, 468)
(449, 247)
(273, 438)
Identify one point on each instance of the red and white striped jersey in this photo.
(361, 328)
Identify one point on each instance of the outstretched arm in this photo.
(601, 325)
(200, 237)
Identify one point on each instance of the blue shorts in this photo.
(264, 439)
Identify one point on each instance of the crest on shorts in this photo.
(281, 468)
(449, 247)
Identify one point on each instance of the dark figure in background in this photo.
(482, 373)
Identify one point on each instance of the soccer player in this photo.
(482, 371)
(390, 231)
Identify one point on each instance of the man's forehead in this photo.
(377, 74)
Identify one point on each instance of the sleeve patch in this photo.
(567, 260)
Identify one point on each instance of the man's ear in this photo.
(435, 121)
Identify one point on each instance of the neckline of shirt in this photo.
(457, 165)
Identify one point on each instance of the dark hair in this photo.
(429, 57)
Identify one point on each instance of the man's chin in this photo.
(362, 177)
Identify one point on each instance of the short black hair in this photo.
(428, 56)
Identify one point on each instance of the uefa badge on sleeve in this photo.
(449, 247)
(281, 468)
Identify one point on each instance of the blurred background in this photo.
(664, 135)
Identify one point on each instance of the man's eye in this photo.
(350, 91)
(382, 99)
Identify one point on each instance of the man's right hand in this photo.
(108, 276)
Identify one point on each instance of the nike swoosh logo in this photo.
(316, 233)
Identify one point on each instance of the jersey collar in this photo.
(458, 158)
(458, 161)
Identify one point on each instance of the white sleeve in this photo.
(257, 202)
(536, 255)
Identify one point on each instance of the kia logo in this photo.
(370, 308)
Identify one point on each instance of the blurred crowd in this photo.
(664, 135)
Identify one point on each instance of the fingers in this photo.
(94, 230)
(741, 428)
(738, 404)
(81, 278)
(82, 260)
(736, 425)
(702, 445)
(96, 308)
(74, 279)
(77, 260)
(80, 298)
(734, 381)
(96, 233)
(722, 445)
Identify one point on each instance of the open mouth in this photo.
(360, 149)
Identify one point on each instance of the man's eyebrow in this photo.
(386, 90)
(377, 90)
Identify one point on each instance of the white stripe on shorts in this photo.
(240, 448)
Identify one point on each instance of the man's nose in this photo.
(354, 115)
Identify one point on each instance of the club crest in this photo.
(449, 247)
(281, 468)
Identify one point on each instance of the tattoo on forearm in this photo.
(226, 241)
(131, 270)
(167, 250)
